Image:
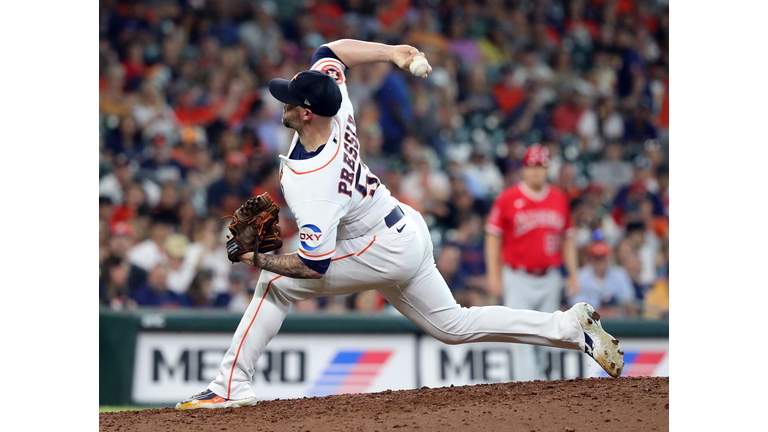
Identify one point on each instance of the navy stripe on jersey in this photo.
(325, 52)
(299, 153)
(318, 266)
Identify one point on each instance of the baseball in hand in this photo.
(419, 66)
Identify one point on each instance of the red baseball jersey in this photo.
(531, 226)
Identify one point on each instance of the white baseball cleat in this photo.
(597, 342)
(207, 399)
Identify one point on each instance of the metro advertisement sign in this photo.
(172, 366)
(443, 365)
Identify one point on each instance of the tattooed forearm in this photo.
(286, 265)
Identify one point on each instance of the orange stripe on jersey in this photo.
(318, 256)
(369, 245)
(328, 61)
(329, 162)
(345, 256)
(229, 386)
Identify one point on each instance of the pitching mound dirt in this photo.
(606, 404)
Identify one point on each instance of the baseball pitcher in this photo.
(355, 236)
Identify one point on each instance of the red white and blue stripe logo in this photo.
(351, 372)
(640, 363)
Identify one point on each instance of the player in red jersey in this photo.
(529, 236)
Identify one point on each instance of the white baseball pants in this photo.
(400, 265)
(525, 291)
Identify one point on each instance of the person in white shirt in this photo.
(151, 252)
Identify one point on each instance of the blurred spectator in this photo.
(508, 92)
(205, 172)
(530, 117)
(643, 245)
(656, 304)
(469, 239)
(639, 127)
(121, 239)
(475, 96)
(610, 122)
(159, 166)
(215, 260)
(155, 292)
(575, 118)
(603, 74)
(261, 35)
(461, 204)
(628, 200)
(426, 124)
(365, 301)
(606, 287)
(395, 110)
(240, 290)
(463, 46)
(201, 293)
(449, 264)
(482, 172)
(426, 186)
(134, 63)
(153, 115)
(113, 100)
(631, 75)
(612, 171)
(114, 184)
(566, 181)
(150, 253)
(531, 68)
(168, 207)
(134, 206)
(126, 140)
(113, 284)
(184, 260)
(105, 207)
(226, 195)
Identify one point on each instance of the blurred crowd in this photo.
(188, 131)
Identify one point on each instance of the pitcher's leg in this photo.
(260, 323)
(427, 301)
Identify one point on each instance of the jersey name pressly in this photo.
(333, 195)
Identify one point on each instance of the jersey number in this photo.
(551, 243)
(369, 180)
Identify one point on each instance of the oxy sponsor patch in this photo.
(310, 237)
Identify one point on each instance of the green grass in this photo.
(125, 408)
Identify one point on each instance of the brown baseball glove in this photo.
(255, 227)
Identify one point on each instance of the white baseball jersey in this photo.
(340, 208)
(333, 195)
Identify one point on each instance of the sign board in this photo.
(441, 365)
(170, 367)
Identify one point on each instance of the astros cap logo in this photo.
(333, 72)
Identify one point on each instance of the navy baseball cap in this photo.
(313, 90)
